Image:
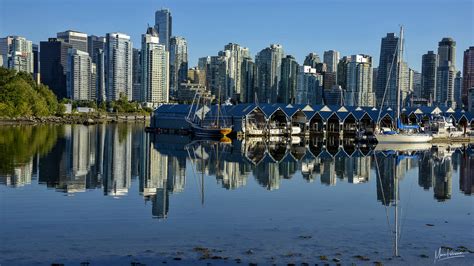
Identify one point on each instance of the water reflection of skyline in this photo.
(110, 157)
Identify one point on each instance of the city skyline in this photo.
(256, 31)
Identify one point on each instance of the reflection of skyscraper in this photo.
(232, 175)
(425, 171)
(328, 172)
(20, 176)
(442, 179)
(357, 169)
(117, 160)
(176, 179)
(267, 174)
(386, 174)
(160, 203)
(288, 167)
(466, 174)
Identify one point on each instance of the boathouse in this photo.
(301, 119)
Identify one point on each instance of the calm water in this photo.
(113, 194)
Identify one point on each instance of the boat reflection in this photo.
(113, 157)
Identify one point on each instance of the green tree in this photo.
(21, 96)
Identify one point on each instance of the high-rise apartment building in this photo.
(359, 90)
(118, 56)
(53, 59)
(76, 39)
(445, 77)
(155, 76)
(163, 25)
(249, 74)
(447, 52)
(197, 76)
(417, 87)
(137, 75)
(100, 76)
(387, 71)
(458, 90)
(178, 63)
(467, 73)
(429, 63)
(342, 72)
(312, 59)
(331, 59)
(268, 63)
(36, 63)
(94, 44)
(288, 81)
(234, 56)
(309, 86)
(215, 67)
(79, 81)
(17, 53)
(446, 73)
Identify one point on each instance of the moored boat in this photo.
(203, 122)
(402, 133)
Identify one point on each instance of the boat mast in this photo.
(399, 73)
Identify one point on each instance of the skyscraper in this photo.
(417, 88)
(467, 73)
(36, 63)
(312, 59)
(429, 63)
(289, 72)
(458, 90)
(118, 56)
(405, 84)
(178, 63)
(53, 58)
(359, 81)
(163, 25)
(155, 76)
(100, 76)
(216, 67)
(79, 76)
(234, 56)
(137, 75)
(342, 72)
(331, 58)
(268, 63)
(76, 39)
(17, 53)
(94, 44)
(309, 86)
(387, 71)
(447, 51)
(249, 73)
(445, 86)
(446, 73)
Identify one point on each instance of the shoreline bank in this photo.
(75, 119)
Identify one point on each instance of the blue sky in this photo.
(301, 26)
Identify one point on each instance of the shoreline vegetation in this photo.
(23, 101)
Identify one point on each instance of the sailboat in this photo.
(202, 120)
(402, 133)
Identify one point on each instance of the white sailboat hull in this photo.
(403, 138)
